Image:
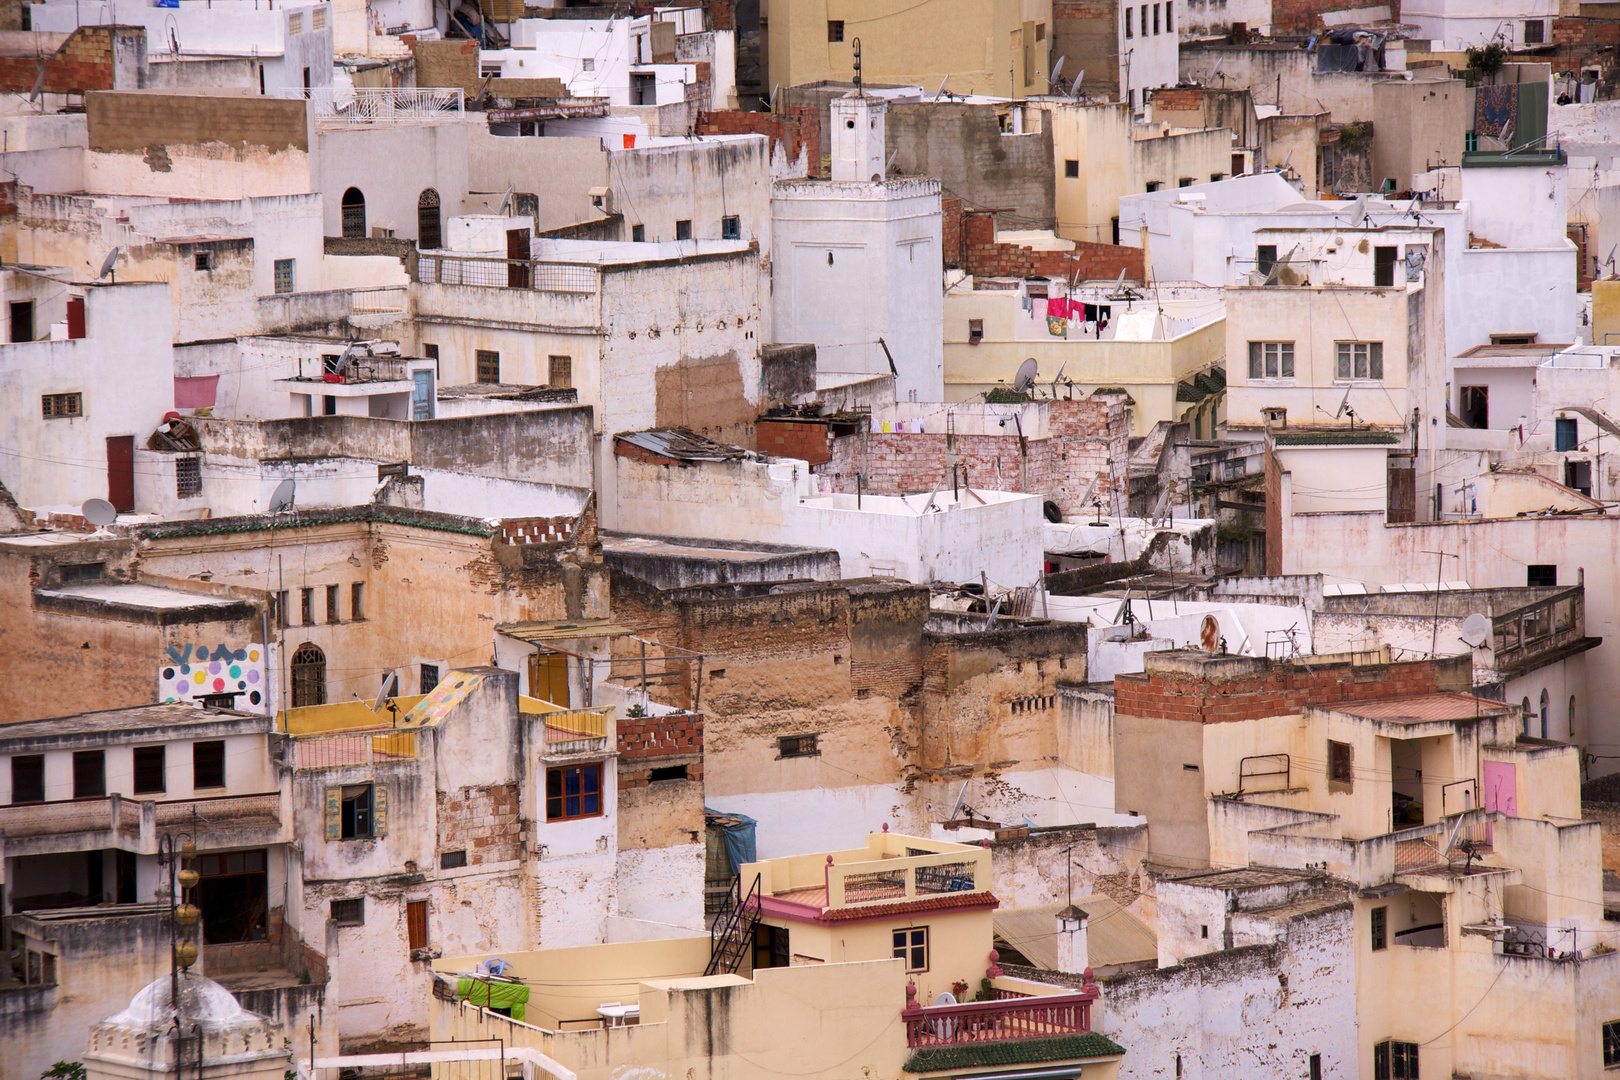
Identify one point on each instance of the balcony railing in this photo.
(999, 1020)
(367, 106)
(489, 272)
(104, 815)
(133, 824)
(890, 880)
(1540, 627)
(578, 731)
(351, 749)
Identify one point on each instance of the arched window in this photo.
(1544, 711)
(354, 213)
(1525, 705)
(428, 233)
(1572, 716)
(308, 676)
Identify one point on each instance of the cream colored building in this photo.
(1155, 352)
(832, 965)
(999, 47)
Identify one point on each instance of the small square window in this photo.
(357, 819)
(489, 366)
(317, 21)
(429, 678)
(797, 746)
(1071, 168)
(975, 331)
(588, 63)
(187, 477)
(683, 230)
(1271, 359)
(1152, 185)
(203, 260)
(574, 792)
(284, 275)
(1360, 360)
(453, 860)
(1541, 574)
(1535, 32)
(835, 29)
(560, 371)
(667, 772)
(1341, 772)
(27, 778)
(911, 945)
(89, 774)
(349, 912)
(638, 234)
(1395, 1061)
(149, 778)
(731, 228)
(1185, 181)
(295, 24)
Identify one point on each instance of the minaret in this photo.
(858, 137)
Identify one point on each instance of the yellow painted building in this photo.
(998, 47)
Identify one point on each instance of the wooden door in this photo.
(517, 259)
(548, 678)
(121, 472)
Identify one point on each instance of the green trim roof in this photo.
(1337, 438)
(1011, 1052)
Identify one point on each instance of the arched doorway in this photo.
(308, 676)
(429, 234)
(354, 214)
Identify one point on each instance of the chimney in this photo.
(1073, 955)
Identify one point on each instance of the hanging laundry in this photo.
(1495, 107)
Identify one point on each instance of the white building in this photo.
(1455, 25)
(291, 46)
(857, 261)
(84, 393)
(1509, 265)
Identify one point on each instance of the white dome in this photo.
(202, 1001)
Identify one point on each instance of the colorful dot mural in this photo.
(194, 669)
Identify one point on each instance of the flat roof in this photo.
(698, 548)
(141, 720)
(1247, 877)
(153, 597)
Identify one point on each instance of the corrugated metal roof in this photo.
(682, 444)
(1113, 935)
(556, 631)
(1416, 710)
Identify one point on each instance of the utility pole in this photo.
(1439, 566)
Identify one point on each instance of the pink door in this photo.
(1501, 787)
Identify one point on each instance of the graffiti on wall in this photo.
(194, 670)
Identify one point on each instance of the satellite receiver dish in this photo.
(382, 691)
(1209, 634)
(890, 163)
(1476, 630)
(100, 513)
(1027, 371)
(1074, 87)
(941, 91)
(1359, 211)
(1343, 405)
(946, 998)
(1056, 78)
(282, 499)
(108, 263)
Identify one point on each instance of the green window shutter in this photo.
(334, 813)
(379, 810)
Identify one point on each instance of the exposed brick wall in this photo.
(1303, 16)
(1177, 100)
(951, 222)
(660, 736)
(807, 439)
(84, 62)
(795, 127)
(891, 678)
(1281, 689)
(1088, 439)
(979, 253)
(482, 821)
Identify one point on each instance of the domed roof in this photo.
(202, 1001)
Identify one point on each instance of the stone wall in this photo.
(977, 251)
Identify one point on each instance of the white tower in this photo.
(858, 137)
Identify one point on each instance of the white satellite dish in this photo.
(947, 998)
(108, 263)
(1476, 630)
(99, 512)
(282, 499)
(1056, 78)
(1027, 371)
(382, 691)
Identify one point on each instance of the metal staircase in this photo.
(732, 933)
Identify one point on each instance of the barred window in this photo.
(1271, 359)
(489, 366)
(797, 746)
(59, 406)
(284, 275)
(187, 477)
(349, 912)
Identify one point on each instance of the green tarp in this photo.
(508, 997)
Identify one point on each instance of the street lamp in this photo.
(183, 914)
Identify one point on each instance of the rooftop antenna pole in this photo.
(1439, 564)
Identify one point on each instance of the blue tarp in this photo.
(738, 830)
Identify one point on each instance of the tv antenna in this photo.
(100, 513)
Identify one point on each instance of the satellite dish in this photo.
(1027, 371)
(99, 512)
(1074, 87)
(282, 499)
(1056, 78)
(947, 998)
(1209, 634)
(1476, 630)
(940, 92)
(892, 155)
(382, 691)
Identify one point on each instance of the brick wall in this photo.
(83, 62)
(1281, 689)
(131, 122)
(482, 821)
(1303, 16)
(651, 742)
(795, 127)
(807, 439)
(1089, 439)
(951, 223)
(979, 253)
